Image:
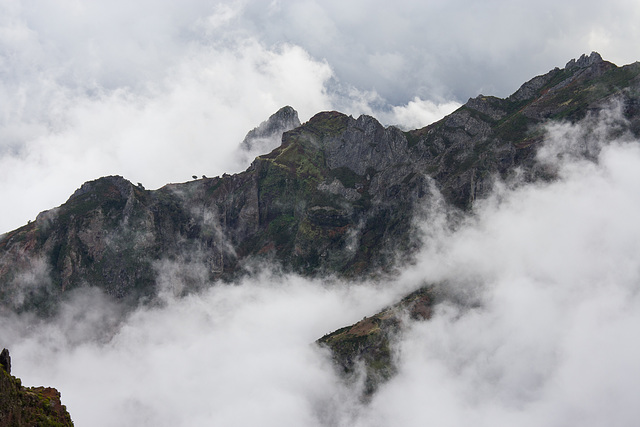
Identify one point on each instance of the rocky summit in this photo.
(337, 197)
(278, 123)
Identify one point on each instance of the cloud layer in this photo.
(233, 355)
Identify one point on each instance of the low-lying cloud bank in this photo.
(546, 280)
(232, 355)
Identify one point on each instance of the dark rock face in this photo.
(338, 196)
(28, 406)
(5, 360)
(486, 136)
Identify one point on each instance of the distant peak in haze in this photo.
(279, 122)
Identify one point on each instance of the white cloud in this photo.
(233, 355)
(419, 113)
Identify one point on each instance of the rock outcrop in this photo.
(5, 360)
(29, 406)
(271, 129)
(367, 344)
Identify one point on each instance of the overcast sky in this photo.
(158, 91)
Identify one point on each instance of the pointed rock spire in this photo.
(5, 360)
(271, 129)
(584, 61)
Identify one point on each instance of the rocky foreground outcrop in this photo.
(28, 406)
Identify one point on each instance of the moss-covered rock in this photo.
(30, 406)
(369, 342)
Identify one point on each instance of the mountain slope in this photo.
(338, 196)
(488, 135)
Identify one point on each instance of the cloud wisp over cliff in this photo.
(548, 279)
(537, 328)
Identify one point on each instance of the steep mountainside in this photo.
(369, 340)
(338, 196)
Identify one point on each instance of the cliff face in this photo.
(28, 406)
(338, 196)
(487, 136)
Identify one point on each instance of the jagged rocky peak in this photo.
(531, 88)
(584, 61)
(5, 360)
(271, 129)
(357, 144)
(336, 194)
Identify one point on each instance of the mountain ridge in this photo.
(336, 197)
